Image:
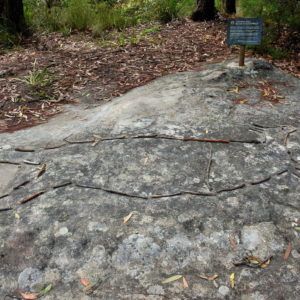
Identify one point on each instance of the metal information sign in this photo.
(244, 31)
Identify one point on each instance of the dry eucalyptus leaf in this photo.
(171, 279)
(29, 296)
(185, 283)
(46, 290)
(232, 280)
(85, 282)
(128, 217)
(209, 278)
(287, 251)
(265, 263)
(254, 260)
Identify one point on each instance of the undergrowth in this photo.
(281, 17)
(7, 39)
(101, 15)
(281, 25)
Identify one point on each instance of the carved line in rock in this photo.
(97, 139)
(120, 193)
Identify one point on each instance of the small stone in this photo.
(30, 279)
(224, 290)
(295, 254)
(62, 231)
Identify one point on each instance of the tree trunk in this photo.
(205, 10)
(229, 6)
(12, 15)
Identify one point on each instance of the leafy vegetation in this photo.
(281, 17)
(99, 16)
(7, 39)
(282, 22)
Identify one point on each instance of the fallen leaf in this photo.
(209, 278)
(127, 218)
(185, 283)
(85, 282)
(46, 290)
(17, 216)
(232, 280)
(265, 263)
(287, 251)
(171, 279)
(297, 228)
(254, 262)
(29, 296)
(234, 90)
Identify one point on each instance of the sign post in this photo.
(242, 32)
(242, 55)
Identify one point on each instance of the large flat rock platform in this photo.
(205, 169)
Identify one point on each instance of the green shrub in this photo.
(166, 10)
(8, 40)
(108, 17)
(80, 14)
(38, 16)
(274, 12)
(281, 18)
(100, 15)
(186, 7)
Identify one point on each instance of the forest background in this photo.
(281, 17)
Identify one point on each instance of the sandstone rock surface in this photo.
(207, 164)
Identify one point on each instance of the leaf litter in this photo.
(254, 262)
(55, 69)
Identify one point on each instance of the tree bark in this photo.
(205, 10)
(229, 6)
(12, 15)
